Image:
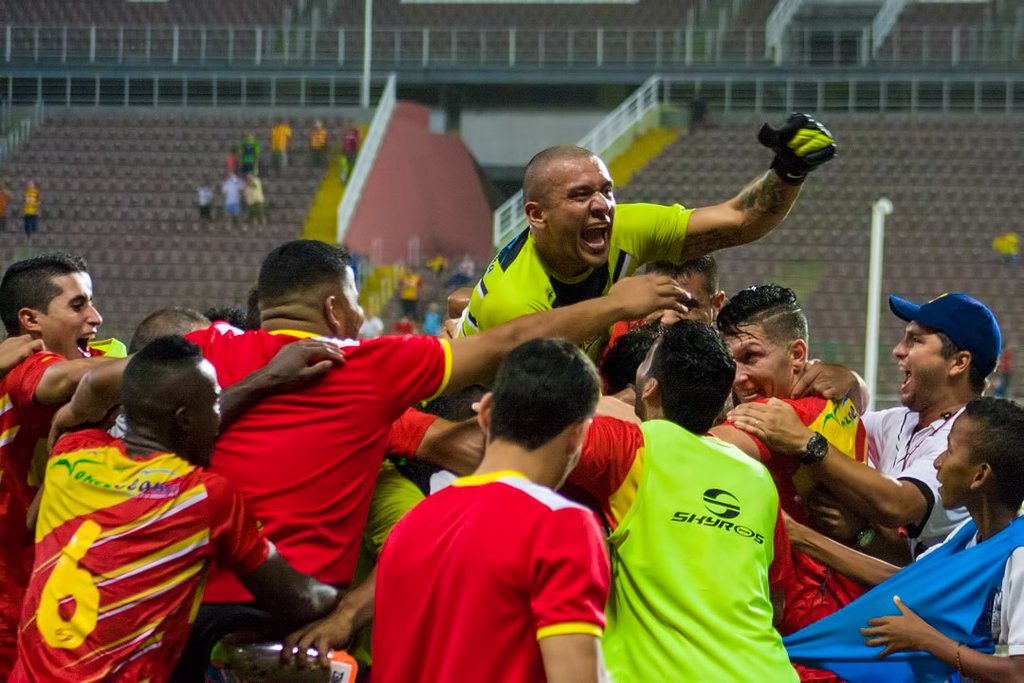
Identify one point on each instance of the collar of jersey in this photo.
(489, 478)
(301, 334)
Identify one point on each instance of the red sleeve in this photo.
(238, 541)
(781, 570)
(569, 574)
(410, 369)
(407, 432)
(762, 450)
(23, 380)
(607, 456)
(808, 407)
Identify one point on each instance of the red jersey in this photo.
(471, 578)
(307, 461)
(24, 427)
(122, 549)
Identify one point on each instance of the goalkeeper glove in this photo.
(800, 145)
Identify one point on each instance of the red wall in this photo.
(423, 184)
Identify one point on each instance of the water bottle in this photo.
(233, 661)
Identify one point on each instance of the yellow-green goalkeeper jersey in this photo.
(517, 283)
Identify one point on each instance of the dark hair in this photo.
(457, 406)
(620, 362)
(252, 310)
(535, 184)
(152, 371)
(705, 265)
(771, 306)
(1001, 426)
(299, 266)
(232, 315)
(542, 387)
(29, 284)
(695, 370)
(950, 349)
(166, 321)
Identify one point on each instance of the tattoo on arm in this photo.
(766, 195)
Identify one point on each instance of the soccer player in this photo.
(950, 345)
(49, 299)
(127, 528)
(695, 526)
(578, 243)
(307, 461)
(960, 599)
(497, 577)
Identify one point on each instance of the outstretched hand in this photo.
(905, 632)
(302, 362)
(641, 295)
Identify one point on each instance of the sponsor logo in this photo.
(148, 483)
(723, 506)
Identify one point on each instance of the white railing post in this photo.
(884, 22)
(879, 210)
(365, 160)
(775, 28)
(364, 90)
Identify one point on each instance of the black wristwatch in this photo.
(815, 450)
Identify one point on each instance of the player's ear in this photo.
(483, 415)
(334, 316)
(535, 214)
(28, 318)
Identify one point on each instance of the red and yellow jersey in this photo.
(279, 137)
(24, 426)
(318, 138)
(122, 549)
(307, 460)
(471, 578)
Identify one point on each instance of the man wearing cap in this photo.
(950, 345)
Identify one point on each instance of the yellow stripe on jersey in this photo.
(8, 435)
(838, 423)
(162, 555)
(569, 628)
(447, 349)
(143, 632)
(153, 591)
(622, 499)
(5, 403)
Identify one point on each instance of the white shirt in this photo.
(232, 189)
(1008, 603)
(205, 196)
(372, 327)
(896, 449)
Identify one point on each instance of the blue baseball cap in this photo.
(967, 322)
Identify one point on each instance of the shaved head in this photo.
(535, 183)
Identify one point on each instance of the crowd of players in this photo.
(727, 510)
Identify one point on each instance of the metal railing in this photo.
(17, 128)
(776, 28)
(610, 136)
(476, 48)
(365, 160)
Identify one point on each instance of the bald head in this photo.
(163, 322)
(535, 181)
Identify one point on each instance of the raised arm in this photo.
(800, 146)
(475, 359)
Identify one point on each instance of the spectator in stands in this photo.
(350, 141)
(700, 116)
(232, 190)
(949, 347)
(409, 293)
(455, 595)
(255, 202)
(1007, 246)
(280, 136)
(205, 200)
(437, 265)
(960, 599)
(432, 320)
(372, 327)
(318, 139)
(30, 208)
(314, 506)
(48, 298)
(152, 489)
(231, 160)
(251, 149)
(570, 251)
(404, 325)
(690, 590)
(5, 198)
(464, 273)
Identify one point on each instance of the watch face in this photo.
(817, 448)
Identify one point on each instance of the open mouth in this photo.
(595, 239)
(906, 380)
(83, 346)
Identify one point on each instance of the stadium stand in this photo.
(117, 12)
(124, 196)
(953, 186)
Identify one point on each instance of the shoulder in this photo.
(878, 421)
(85, 439)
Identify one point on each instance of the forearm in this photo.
(862, 568)
(764, 203)
(98, 390)
(242, 395)
(356, 607)
(457, 447)
(874, 496)
(61, 381)
(971, 664)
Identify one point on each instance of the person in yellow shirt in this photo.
(318, 145)
(30, 208)
(409, 294)
(280, 135)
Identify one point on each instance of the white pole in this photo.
(364, 93)
(879, 210)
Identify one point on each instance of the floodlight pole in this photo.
(364, 91)
(879, 210)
